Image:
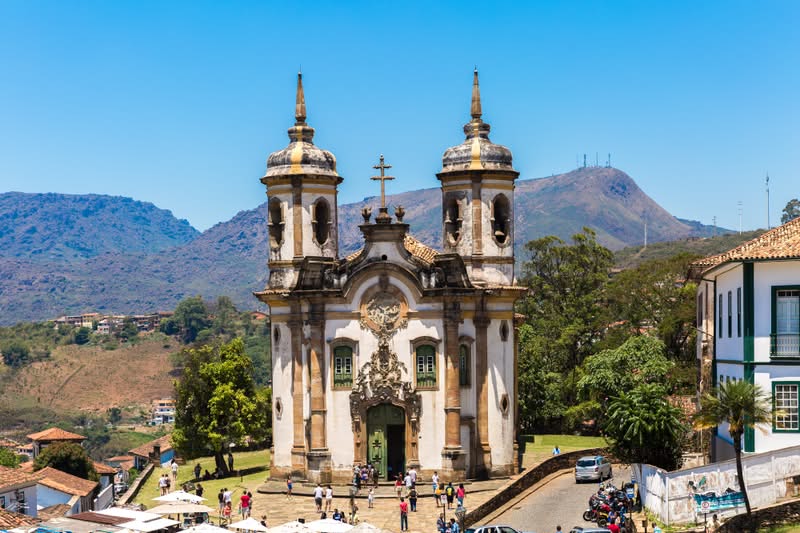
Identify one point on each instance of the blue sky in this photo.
(180, 103)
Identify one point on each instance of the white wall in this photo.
(31, 502)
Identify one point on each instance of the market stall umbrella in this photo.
(181, 508)
(329, 525)
(290, 527)
(366, 527)
(180, 496)
(206, 528)
(250, 524)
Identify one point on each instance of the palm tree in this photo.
(742, 405)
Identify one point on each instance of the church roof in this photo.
(477, 152)
(782, 242)
(413, 246)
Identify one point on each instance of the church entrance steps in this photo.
(384, 490)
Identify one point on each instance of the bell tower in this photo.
(302, 185)
(478, 201)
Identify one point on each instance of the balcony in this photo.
(784, 345)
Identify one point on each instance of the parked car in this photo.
(493, 529)
(592, 468)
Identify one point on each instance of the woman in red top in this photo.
(403, 514)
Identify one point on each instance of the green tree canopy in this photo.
(791, 211)
(191, 317)
(217, 402)
(741, 405)
(15, 353)
(83, 335)
(8, 458)
(643, 427)
(67, 457)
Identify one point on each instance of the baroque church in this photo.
(398, 355)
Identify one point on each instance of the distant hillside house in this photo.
(43, 439)
(748, 318)
(163, 411)
(59, 488)
(158, 451)
(18, 491)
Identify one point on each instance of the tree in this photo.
(67, 457)
(742, 405)
(217, 402)
(114, 415)
(15, 353)
(191, 316)
(540, 388)
(564, 309)
(643, 427)
(129, 329)
(225, 315)
(8, 458)
(791, 211)
(83, 335)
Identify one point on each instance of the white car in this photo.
(592, 468)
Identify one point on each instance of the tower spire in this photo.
(476, 97)
(300, 101)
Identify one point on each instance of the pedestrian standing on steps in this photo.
(403, 514)
(288, 487)
(412, 498)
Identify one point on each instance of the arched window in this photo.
(342, 367)
(464, 366)
(426, 366)
(321, 221)
(501, 219)
(276, 223)
(452, 220)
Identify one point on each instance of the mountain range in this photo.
(69, 254)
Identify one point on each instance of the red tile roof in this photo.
(55, 434)
(101, 469)
(54, 511)
(61, 481)
(413, 246)
(782, 242)
(12, 477)
(146, 449)
(10, 520)
(101, 518)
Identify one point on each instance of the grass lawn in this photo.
(540, 447)
(241, 461)
(782, 529)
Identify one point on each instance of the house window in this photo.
(426, 366)
(719, 314)
(342, 367)
(463, 366)
(730, 314)
(739, 312)
(785, 338)
(2, 502)
(785, 401)
(700, 310)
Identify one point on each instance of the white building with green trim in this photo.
(748, 321)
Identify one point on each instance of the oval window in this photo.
(321, 221)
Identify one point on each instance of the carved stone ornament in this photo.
(383, 314)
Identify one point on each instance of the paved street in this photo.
(560, 502)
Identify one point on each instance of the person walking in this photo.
(197, 472)
(288, 487)
(398, 486)
(318, 497)
(221, 498)
(244, 505)
(435, 482)
(407, 482)
(412, 498)
(403, 514)
(460, 493)
(450, 493)
(371, 497)
(328, 498)
(174, 467)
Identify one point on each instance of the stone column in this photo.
(298, 427)
(453, 457)
(484, 458)
(477, 228)
(319, 456)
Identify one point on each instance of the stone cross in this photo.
(382, 178)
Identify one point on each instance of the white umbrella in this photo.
(250, 524)
(180, 496)
(365, 527)
(150, 525)
(329, 525)
(206, 528)
(181, 508)
(291, 527)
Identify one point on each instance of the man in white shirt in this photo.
(413, 474)
(407, 482)
(318, 497)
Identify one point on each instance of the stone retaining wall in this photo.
(133, 490)
(525, 481)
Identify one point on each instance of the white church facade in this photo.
(397, 355)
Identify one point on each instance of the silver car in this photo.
(492, 529)
(592, 468)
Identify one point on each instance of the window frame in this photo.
(719, 319)
(336, 381)
(464, 365)
(774, 320)
(738, 312)
(730, 314)
(430, 365)
(775, 384)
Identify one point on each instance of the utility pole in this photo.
(714, 221)
(584, 160)
(740, 217)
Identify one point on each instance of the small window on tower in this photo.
(452, 220)
(276, 223)
(501, 219)
(321, 221)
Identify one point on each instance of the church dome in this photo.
(477, 151)
(301, 156)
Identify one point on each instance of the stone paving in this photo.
(271, 500)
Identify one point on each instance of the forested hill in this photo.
(68, 254)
